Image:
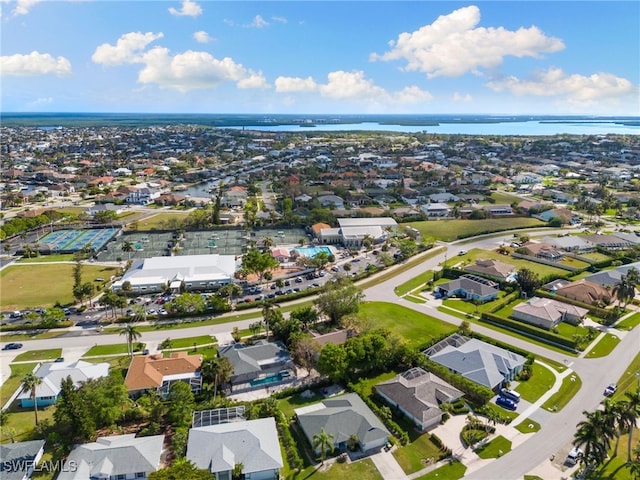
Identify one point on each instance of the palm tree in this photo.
(127, 247)
(30, 384)
(631, 406)
(624, 290)
(267, 313)
(323, 441)
(216, 371)
(132, 333)
(267, 242)
(594, 436)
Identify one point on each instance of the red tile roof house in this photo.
(153, 372)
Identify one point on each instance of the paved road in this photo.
(554, 435)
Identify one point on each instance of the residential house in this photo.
(119, 457)
(565, 215)
(343, 417)
(155, 372)
(570, 243)
(258, 364)
(418, 395)
(433, 210)
(19, 459)
(542, 250)
(253, 444)
(443, 197)
(586, 292)
(469, 287)
(332, 201)
(498, 210)
(491, 268)
(53, 373)
(548, 313)
(234, 198)
(476, 360)
(610, 242)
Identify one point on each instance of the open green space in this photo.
(160, 221)
(571, 384)
(596, 256)
(361, 470)
(539, 383)
(629, 380)
(191, 341)
(505, 198)
(629, 323)
(572, 262)
(449, 230)
(466, 306)
(33, 335)
(451, 471)
(496, 448)
(120, 362)
(22, 421)
(411, 456)
(114, 349)
(35, 355)
(528, 426)
(474, 254)
(29, 286)
(417, 328)
(62, 257)
(18, 372)
(604, 346)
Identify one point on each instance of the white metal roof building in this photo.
(197, 272)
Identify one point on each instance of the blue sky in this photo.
(500, 57)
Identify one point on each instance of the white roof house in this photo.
(352, 231)
(121, 456)
(52, 375)
(198, 272)
(252, 443)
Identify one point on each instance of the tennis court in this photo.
(69, 241)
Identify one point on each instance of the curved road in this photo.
(554, 435)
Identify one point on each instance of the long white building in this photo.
(352, 231)
(194, 272)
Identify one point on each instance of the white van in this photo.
(574, 456)
(512, 394)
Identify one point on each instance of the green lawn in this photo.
(35, 355)
(62, 257)
(629, 380)
(468, 307)
(361, 470)
(23, 422)
(18, 372)
(417, 328)
(451, 471)
(604, 346)
(419, 280)
(630, 322)
(411, 456)
(570, 386)
(449, 230)
(288, 404)
(115, 349)
(528, 426)
(539, 383)
(159, 221)
(30, 286)
(495, 448)
(476, 253)
(191, 341)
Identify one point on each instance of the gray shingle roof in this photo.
(111, 456)
(248, 359)
(342, 417)
(14, 454)
(253, 443)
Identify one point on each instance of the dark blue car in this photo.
(506, 403)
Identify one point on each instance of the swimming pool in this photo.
(311, 252)
(267, 380)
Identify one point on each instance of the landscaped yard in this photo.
(191, 341)
(411, 457)
(629, 380)
(23, 422)
(539, 383)
(417, 328)
(62, 257)
(35, 355)
(30, 286)
(18, 372)
(472, 255)
(630, 322)
(451, 471)
(528, 426)
(449, 230)
(604, 346)
(495, 448)
(115, 349)
(571, 384)
(361, 470)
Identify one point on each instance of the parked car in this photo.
(59, 360)
(12, 346)
(610, 390)
(462, 252)
(574, 456)
(507, 403)
(510, 394)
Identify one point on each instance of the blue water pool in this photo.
(311, 252)
(267, 380)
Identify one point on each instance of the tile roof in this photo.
(147, 371)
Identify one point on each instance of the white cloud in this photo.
(258, 22)
(352, 86)
(38, 102)
(189, 9)
(293, 84)
(574, 88)
(128, 49)
(254, 80)
(202, 37)
(454, 45)
(33, 64)
(22, 7)
(193, 70)
(460, 97)
(279, 19)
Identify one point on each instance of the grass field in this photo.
(528, 426)
(35, 355)
(100, 350)
(451, 471)
(62, 257)
(159, 221)
(417, 328)
(539, 383)
(630, 322)
(604, 346)
(411, 456)
(570, 386)
(18, 371)
(449, 230)
(30, 286)
(472, 255)
(362, 470)
(495, 448)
